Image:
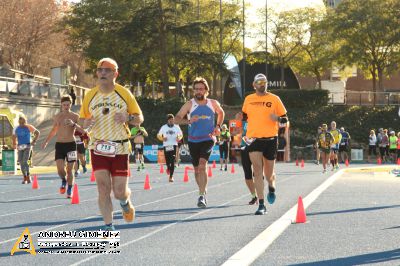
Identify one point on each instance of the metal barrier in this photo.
(366, 98)
(39, 89)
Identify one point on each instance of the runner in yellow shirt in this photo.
(105, 112)
(337, 137)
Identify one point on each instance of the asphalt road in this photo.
(170, 230)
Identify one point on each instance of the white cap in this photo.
(392, 132)
(260, 77)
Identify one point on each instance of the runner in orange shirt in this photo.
(264, 111)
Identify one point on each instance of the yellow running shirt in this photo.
(259, 110)
(337, 137)
(102, 107)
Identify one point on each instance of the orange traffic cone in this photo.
(214, 165)
(301, 214)
(129, 172)
(302, 163)
(210, 174)
(398, 161)
(92, 177)
(233, 169)
(167, 171)
(297, 162)
(346, 162)
(186, 176)
(75, 195)
(379, 160)
(161, 168)
(35, 184)
(147, 183)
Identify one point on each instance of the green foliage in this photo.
(369, 34)
(303, 98)
(155, 115)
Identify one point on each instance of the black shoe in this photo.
(261, 210)
(202, 202)
(226, 168)
(253, 201)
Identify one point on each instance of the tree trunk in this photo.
(319, 78)
(373, 72)
(282, 76)
(163, 51)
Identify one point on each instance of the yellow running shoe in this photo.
(128, 212)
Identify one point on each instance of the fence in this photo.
(38, 89)
(365, 98)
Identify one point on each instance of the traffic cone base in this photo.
(147, 183)
(161, 168)
(301, 214)
(35, 184)
(75, 195)
(186, 177)
(92, 177)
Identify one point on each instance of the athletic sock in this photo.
(253, 195)
(123, 202)
(261, 201)
(271, 189)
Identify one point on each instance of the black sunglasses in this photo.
(106, 111)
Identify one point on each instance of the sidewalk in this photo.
(355, 221)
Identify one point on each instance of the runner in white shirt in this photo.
(170, 134)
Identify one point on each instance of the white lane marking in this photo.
(144, 204)
(255, 248)
(161, 229)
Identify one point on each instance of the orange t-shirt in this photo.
(259, 110)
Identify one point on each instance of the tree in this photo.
(369, 31)
(286, 33)
(152, 39)
(317, 50)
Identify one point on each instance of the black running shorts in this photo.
(268, 146)
(200, 150)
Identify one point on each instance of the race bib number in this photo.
(105, 148)
(22, 147)
(72, 155)
(138, 146)
(169, 148)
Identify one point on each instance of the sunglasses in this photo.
(260, 82)
(106, 69)
(105, 111)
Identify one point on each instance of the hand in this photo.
(165, 138)
(69, 122)
(121, 117)
(89, 123)
(44, 145)
(193, 119)
(217, 131)
(15, 146)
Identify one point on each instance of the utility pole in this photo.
(244, 51)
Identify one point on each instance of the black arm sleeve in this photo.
(244, 117)
(283, 119)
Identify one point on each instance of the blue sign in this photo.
(150, 153)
